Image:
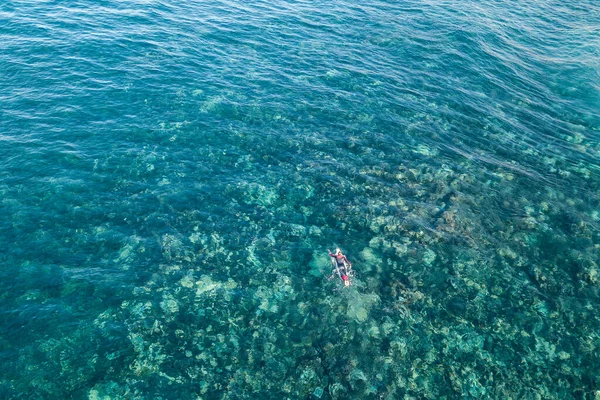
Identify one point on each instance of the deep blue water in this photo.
(172, 174)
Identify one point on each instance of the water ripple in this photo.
(173, 171)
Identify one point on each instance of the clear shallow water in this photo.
(172, 175)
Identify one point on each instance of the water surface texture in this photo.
(172, 174)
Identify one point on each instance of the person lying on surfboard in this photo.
(341, 264)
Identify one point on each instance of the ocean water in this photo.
(172, 174)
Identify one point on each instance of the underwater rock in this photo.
(377, 242)
(357, 313)
(336, 390)
(169, 305)
(295, 230)
(388, 327)
(318, 392)
(309, 378)
(275, 368)
(358, 307)
(563, 355)
(429, 257)
(320, 264)
(314, 230)
(401, 249)
(544, 349)
(129, 249)
(187, 281)
(205, 284)
(475, 388)
(108, 391)
(374, 332)
(457, 305)
(260, 195)
(270, 297)
(171, 245)
(356, 378)
(371, 260)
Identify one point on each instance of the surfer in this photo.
(342, 265)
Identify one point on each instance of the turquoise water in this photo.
(173, 173)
